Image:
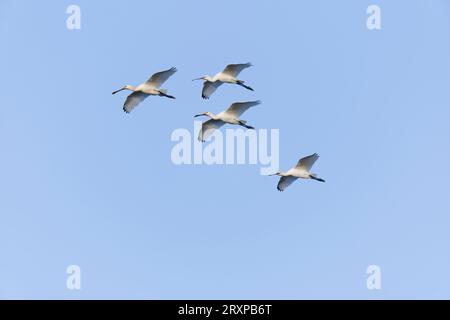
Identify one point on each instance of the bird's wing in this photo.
(159, 78)
(133, 100)
(306, 163)
(238, 108)
(209, 88)
(234, 69)
(208, 128)
(285, 182)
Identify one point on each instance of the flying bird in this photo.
(231, 116)
(228, 75)
(148, 88)
(301, 170)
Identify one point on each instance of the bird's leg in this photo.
(162, 94)
(244, 124)
(316, 178)
(241, 83)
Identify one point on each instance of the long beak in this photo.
(118, 90)
(199, 115)
(273, 174)
(197, 79)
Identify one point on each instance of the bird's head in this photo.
(207, 113)
(204, 78)
(127, 87)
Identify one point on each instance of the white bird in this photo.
(228, 75)
(301, 170)
(231, 116)
(148, 88)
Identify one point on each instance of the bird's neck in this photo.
(213, 116)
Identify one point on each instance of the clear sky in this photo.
(83, 183)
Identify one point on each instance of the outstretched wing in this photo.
(234, 69)
(209, 88)
(306, 163)
(159, 78)
(285, 182)
(208, 128)
(133, 100)
(238, 108)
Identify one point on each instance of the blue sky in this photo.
(83, 183)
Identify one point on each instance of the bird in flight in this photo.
(148, 88)
(228, 75)
(301, 170)
(231, 116)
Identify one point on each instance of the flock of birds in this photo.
(231, 115)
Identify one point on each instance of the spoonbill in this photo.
(231, 116)
(228, 75)
(301, 170)
(148, 88)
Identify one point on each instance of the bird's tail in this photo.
(163, 93)
(314, 177)
(241, 83)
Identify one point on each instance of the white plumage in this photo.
(228, 75)
(230, 115)
(148, 88)
(301, 170)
